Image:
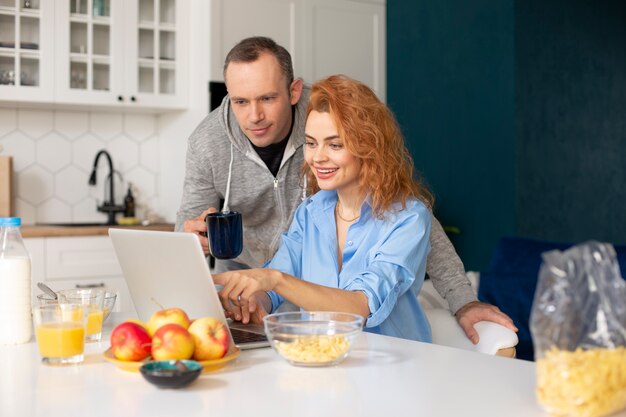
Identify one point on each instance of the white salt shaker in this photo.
(15, 303)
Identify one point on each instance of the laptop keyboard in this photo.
(242, 336)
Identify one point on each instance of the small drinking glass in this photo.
(45, 299)
(60, 333)
(93, 301)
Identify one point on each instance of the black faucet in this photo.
(108, 206)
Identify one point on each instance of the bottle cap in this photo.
(10, 221)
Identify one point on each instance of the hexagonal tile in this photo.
(149, 210)
(86, 211)
(26, 211)
(105, 125)
(124, 152)
(35, 123)
(53, 210)
(34, 185)
(144, 183)
(139, 126)
(71, 124)
(70, 185)
(8, 121)
(85, 150)
(21, 148)
(149, 154)
(53, 152)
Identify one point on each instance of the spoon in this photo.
(43, 287)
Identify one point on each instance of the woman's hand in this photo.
(258, 307)
(238, 295)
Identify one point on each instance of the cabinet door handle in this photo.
(120, 98)
(83, 286)
(133, 99)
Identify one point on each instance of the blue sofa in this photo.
(511, 277)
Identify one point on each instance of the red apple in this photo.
(172, 341)
(167, 316)
(130, 342)
(211, 338)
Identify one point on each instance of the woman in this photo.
(359, 243)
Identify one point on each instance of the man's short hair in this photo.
(249, 50)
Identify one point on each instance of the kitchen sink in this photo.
(75, 224)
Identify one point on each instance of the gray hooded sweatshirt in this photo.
(268, 203)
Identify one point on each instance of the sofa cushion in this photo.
(511, 278)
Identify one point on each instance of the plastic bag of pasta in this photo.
(578, 324)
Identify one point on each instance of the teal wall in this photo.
(571, 119)
(450, 82)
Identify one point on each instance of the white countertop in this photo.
(383, 376)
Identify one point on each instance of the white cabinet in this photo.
(346, 37)
(324, 37)
(277, 19)
(124, 53)
(26, 50)
(108, 54)
(72, 262)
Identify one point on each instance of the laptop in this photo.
(169, 269)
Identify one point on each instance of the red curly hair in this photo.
(370, 132)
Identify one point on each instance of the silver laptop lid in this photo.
(167, 269)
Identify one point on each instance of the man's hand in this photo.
(198, 226)
(472, 313)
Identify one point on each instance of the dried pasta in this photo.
(318, 349)
(583, 383)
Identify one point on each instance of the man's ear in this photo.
(295, 90)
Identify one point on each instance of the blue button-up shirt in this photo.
(384, 258)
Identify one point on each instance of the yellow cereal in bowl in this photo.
(320, 349)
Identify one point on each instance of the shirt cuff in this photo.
(276, 300)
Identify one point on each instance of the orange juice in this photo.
(94, 322)
(60, 340)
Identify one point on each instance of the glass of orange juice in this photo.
(60, 332)
(93, 301)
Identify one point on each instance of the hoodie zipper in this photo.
(276, 239)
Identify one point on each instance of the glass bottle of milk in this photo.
(15, 308)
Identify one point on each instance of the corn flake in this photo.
(583, 383)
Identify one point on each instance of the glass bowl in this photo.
(109, 303)
(172, 373)
(313, 338)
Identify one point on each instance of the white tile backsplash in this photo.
(35, 123)
(139, 126)
(71, 125)
(8, 121)
(106, 126)
(20, 147)
(35, 185)
(69, 185)
(53, 154)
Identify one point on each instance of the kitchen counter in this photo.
(383, 376)
(56, 231)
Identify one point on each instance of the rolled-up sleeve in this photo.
(393, 266)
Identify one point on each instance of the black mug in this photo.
(225, 234)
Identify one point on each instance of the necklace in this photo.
(341, 217)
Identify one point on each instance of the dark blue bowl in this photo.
(169, 374)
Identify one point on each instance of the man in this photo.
(252, 145)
